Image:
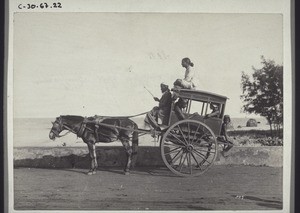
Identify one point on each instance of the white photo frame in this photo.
(59, 51)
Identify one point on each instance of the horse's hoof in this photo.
(91, 173)
(126, 173)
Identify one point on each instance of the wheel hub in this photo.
(189, 148)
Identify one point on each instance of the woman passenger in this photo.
(187, 81)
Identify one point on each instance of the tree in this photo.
(263, 93)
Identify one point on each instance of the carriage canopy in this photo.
(199, 101)
(199, 95)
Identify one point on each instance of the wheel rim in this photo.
(188, 148)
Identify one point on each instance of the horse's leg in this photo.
(135, 144)
(92, 150)
(95, 157)
(128, 150)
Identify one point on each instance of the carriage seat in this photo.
(195, 116)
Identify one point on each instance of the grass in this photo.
(255, 138)
(253, 133)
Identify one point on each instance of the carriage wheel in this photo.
(188, 148)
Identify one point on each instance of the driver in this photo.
(160, 114)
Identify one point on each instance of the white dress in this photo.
(187, 82)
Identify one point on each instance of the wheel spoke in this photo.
(198, 165)
(195, 133)
(181, 158)
(182, 134)
(181, 165)
(201, 155)
(190, 163)
(172, 150)
(203, 131)
(174, 145)
(178, 139)
(202, 144)
(205, 134)
(175, 158)
(189, 138)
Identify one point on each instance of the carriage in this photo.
(188, 146)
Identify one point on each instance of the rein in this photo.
(69, 130)
(131, 116)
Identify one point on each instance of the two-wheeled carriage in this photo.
(188, 146)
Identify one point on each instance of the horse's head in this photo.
(57, 127)
(71, 123)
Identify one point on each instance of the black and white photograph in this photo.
(149, 107)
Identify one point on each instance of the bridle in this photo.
(61, 127)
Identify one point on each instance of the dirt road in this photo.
(221, 188)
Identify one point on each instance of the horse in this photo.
(100, 129)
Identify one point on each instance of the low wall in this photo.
(78, 157)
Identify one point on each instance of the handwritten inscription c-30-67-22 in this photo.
(29, 6)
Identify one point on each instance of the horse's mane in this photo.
(72, 118)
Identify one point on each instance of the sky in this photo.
(100, 63)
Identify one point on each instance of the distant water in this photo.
(35, 132)
(237, 123)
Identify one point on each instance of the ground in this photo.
(220, 188)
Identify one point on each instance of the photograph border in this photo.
(158, 6)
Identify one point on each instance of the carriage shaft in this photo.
(124, 128)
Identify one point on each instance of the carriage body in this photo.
(198, 107)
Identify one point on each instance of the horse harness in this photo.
(84, 123)
(97, 121)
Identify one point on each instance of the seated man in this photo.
(179, 106)
(215, 111)
(160, 114)
(181, 102)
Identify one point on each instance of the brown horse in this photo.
(100, 129)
